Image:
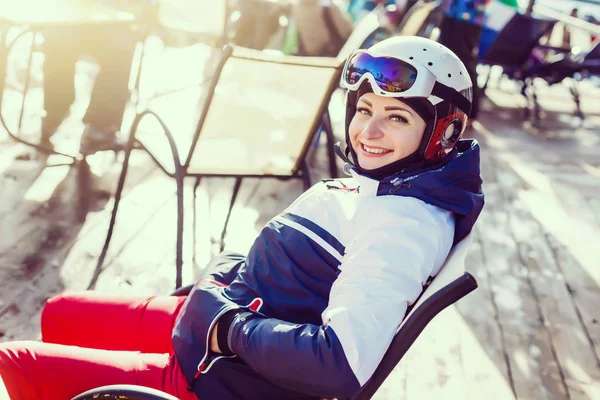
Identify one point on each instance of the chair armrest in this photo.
(131, 392)
(412, 328)
(553, 48)
(183, 291)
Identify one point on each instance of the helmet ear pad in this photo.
(445, 134)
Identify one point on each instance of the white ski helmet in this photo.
(427, 76)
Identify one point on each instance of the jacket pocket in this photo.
(191, 334)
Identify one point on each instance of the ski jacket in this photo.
(327, 281)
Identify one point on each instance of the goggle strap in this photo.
(451, 95)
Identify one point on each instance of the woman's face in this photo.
(384, 130)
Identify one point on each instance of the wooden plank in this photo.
(394, 386)
(574, 203)
(568, 336)
(594, 204)
(435, 365)
(483, 353)
(585, 294)
(64, 193)
(140, 265)
(142, 203)
(40, 230)
(74, 269)
(535, 372)
(36, 265)
(16, 178)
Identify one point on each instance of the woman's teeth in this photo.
(374, 150)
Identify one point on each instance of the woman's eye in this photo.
(362, 110)
(398, 118)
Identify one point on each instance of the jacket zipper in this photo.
(205, 363)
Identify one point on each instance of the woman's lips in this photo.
(373, 151)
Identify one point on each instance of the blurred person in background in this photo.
(112, 47)
(592, 20)
(461, 32)
(323, 26)
(498, 14)
(395, 8)
(566, 39)
(312, 27)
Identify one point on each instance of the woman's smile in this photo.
(374, 151)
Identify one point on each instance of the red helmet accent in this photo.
(446, 133)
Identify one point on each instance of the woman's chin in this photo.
(370, 164)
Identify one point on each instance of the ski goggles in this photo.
(394, 77)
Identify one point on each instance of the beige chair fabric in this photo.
(263, 112)
(264, 109)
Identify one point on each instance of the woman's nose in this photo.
(372, 130)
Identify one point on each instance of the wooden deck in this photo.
(531, 331)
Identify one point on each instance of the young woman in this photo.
(311, 309)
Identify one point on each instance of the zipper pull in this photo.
(197, 375)
(398, 183)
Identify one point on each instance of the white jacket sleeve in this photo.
(396, 247)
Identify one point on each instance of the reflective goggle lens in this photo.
(391, 74)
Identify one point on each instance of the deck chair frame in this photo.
(512, 49)
(566, 65)
(300, 170)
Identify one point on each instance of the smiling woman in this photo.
(310, 310)
(410, 123)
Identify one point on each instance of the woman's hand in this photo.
(214, 345)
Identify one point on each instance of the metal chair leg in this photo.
(179, 243)
(194, 220)
(305, 173)
(526, 110)
(236, 189)
(4, 47)
(487, 79)
(575, 93)
(113, 217)
(27, 81)
(536, 105)
(138, 76)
